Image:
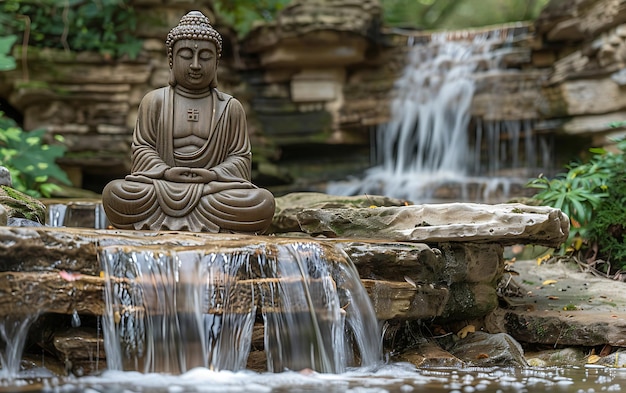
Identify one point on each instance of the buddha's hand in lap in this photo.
(189, 175)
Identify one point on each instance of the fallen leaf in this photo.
(482, 356)
(373, 206)
(544, 258)
(549, 282)
(606, 350)
(593, 359)
(553, 297)
(578, 242)
(466, 330)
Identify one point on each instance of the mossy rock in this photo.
(20, 205)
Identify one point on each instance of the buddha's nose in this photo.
(195, 64)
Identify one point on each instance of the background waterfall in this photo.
(428, 143)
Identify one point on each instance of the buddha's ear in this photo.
(172, 78)
(214, 81)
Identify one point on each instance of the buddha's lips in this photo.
(195, 75)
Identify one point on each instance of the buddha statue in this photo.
(190, 153)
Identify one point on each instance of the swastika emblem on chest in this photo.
(193, 114)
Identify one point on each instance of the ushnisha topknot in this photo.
(193, 26)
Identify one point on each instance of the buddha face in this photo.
(194, 63)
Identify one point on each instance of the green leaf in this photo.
(33, 140)
(7, 62)
(6, 43)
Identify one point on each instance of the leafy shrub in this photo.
(105, 26)
(593, 195)
(607, 230)
(30, 161)
(577, 192)
(242, 14)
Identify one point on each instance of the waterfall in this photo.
(428, 142)
(13, 335)
(171, 311)
(82, 214)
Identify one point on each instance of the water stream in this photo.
(13, 332)
(171, 311)
(432, 143)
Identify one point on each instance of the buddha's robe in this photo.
(145, 200)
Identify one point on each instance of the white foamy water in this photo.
(393, 378)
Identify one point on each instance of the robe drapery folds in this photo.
(145, 200)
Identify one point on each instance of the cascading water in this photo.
(427, 143)
(13, 334)
(176, 310)
(77, 214)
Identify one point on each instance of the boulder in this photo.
(484, 350)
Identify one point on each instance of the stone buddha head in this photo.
(193, 50)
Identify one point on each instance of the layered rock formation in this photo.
(584, 44)
(447, 272)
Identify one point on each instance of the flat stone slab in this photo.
(288, 206)
(507, 224)
(577, 309)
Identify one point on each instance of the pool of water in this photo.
(395, 378)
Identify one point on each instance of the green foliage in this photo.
(425, 14)
(105, 26)
(579, 191)
(30, 161)
(242, 14)
(608, 227)
(458, 14)
(7, 62)
(593, 195)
